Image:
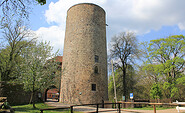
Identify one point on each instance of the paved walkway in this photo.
(87, 109)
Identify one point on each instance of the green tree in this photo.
(179, 94)
(131, 81)
(38, 70)
(143, 84)
(123, 49)
(165, 58)
(155, 91)
(15, 38)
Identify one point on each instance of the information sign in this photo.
(131, 96)
(123, 97)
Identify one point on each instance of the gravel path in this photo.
(87, 109)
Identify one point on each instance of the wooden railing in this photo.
(71, 107)
(119, 106)
(154, 104)
(41, 110)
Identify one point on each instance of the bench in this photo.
(179, 108)
(3, 107)
(2, 101)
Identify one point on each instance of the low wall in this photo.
(15, 93)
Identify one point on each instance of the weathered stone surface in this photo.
(85, 37)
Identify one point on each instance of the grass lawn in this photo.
(29, 109)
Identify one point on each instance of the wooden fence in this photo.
(119, 106)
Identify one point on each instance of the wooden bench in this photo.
(2, 101)
(179, 108)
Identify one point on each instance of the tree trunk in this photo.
(33, 92)
(124, 83)
(31, 98)
(33, 102)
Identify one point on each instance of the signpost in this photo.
(131, 96)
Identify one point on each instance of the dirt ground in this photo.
(151, 111)
(87, 109)
(104, 110)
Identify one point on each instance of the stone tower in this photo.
(84, 68)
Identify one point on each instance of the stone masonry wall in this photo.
(85, 37)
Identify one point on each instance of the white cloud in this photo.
(140, 16)
(144, 15)
(57, 14)
(54, 34)
(136, 15)
(57, 11)
(182, 25)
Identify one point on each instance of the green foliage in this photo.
(165, 61)
(174, 92)
(179, 88)
(181, 80)
(111, 88)
(118, 81)
(41, 2)
(13, 42)
(168, 54)
(143, 84)
(155, 92)
(37, 70)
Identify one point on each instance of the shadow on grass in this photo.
(29, 109)
(25, 109)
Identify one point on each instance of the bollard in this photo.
(119, 108)
(71, 109)
(97, 108)
(41, 111)
(102, 103)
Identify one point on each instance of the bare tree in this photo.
(17, 8)
(123, 49)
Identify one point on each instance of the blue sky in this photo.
(149, 19)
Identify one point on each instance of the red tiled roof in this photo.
(53, 91)
(58, 58)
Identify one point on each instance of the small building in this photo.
(53, 94)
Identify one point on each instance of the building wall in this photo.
(15, 93)
(85, 37)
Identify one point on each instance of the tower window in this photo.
(96, 70)
(93, 87)
(96, 58)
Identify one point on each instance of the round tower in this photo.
(84, 68)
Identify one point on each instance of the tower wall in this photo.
(84, 50)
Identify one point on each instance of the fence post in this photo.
(154, 109)
(119, 107)
(41, 111)
(71, 109)
(97, 108)
(102, 103)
